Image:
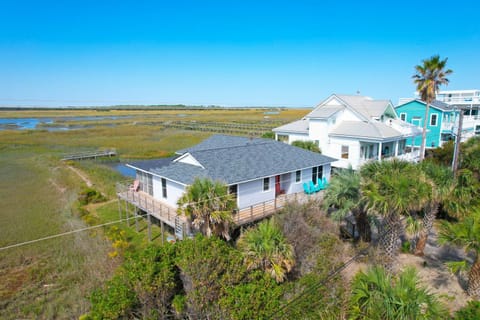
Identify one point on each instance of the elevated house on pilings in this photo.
(263, 175)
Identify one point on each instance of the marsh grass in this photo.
(52, 279)
(48, 279)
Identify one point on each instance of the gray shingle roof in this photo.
(255, 159)
(435, 103)
(360, 129)
(300, 126)
(148, 165)
(220, 141)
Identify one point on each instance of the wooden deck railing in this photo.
(167, 214)
(90, 155)
(149, 204)
(268, 208)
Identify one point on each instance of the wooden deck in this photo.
(90, 155)
(149, 204)
(268, 208)
(169, 215)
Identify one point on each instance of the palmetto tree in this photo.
(378, 295)
(392, 189)
(266, 248)
(343, 194)
(442, 179)
(428, 77)
(466, 233)
(209, 206)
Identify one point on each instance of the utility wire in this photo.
(282, 311)
(68, 233)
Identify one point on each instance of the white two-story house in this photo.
(353, 129)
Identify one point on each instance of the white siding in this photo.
(318, 130)
(174, 191)
(297, 137)
(250, 193)
(335, 151)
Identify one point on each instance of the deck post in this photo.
(149, 220)
(119, 209)
(126, 213)
(162, 228)
(184, 231)
(251, 212)
(263, 214)
(136, 219)
(275, 204)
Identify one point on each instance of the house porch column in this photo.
(396, 148)
(380, 151)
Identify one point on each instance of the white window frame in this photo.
(419, 120)
(436, 120)
(268, 185)
(346, 153)
(164, 188)
(298, 178)
(404, 116)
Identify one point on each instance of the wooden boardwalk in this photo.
(90, 155)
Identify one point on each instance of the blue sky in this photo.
(232, 53)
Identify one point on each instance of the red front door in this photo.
(277, 185)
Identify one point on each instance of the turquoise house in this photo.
(441, 121)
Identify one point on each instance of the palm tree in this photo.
(266, 248)
(442, 179)
(209, 206)
(465, 233)
(465, 194)
(392, 189)
(428, 78)
(343, 194)
(378, 295)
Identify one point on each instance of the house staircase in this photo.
(179, 224)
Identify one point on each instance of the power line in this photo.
(67, 233)
(328, 277)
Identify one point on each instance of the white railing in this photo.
(460, 100)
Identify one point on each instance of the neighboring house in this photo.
(440, 122)
(260, 172)
(353, 129)
(469, 102)
(466, 100)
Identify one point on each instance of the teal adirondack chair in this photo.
(312, 186)
(320, 184)
(306, 188)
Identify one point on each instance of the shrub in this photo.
(90, 195)
(470, 312)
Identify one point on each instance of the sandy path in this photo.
(82, 176)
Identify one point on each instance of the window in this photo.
(266, 184)
(417, 121)
(317, 173)
(233, 189)
(433, 119)
(344, 152)
(403, 116)
(164, 187)
(298, 176)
